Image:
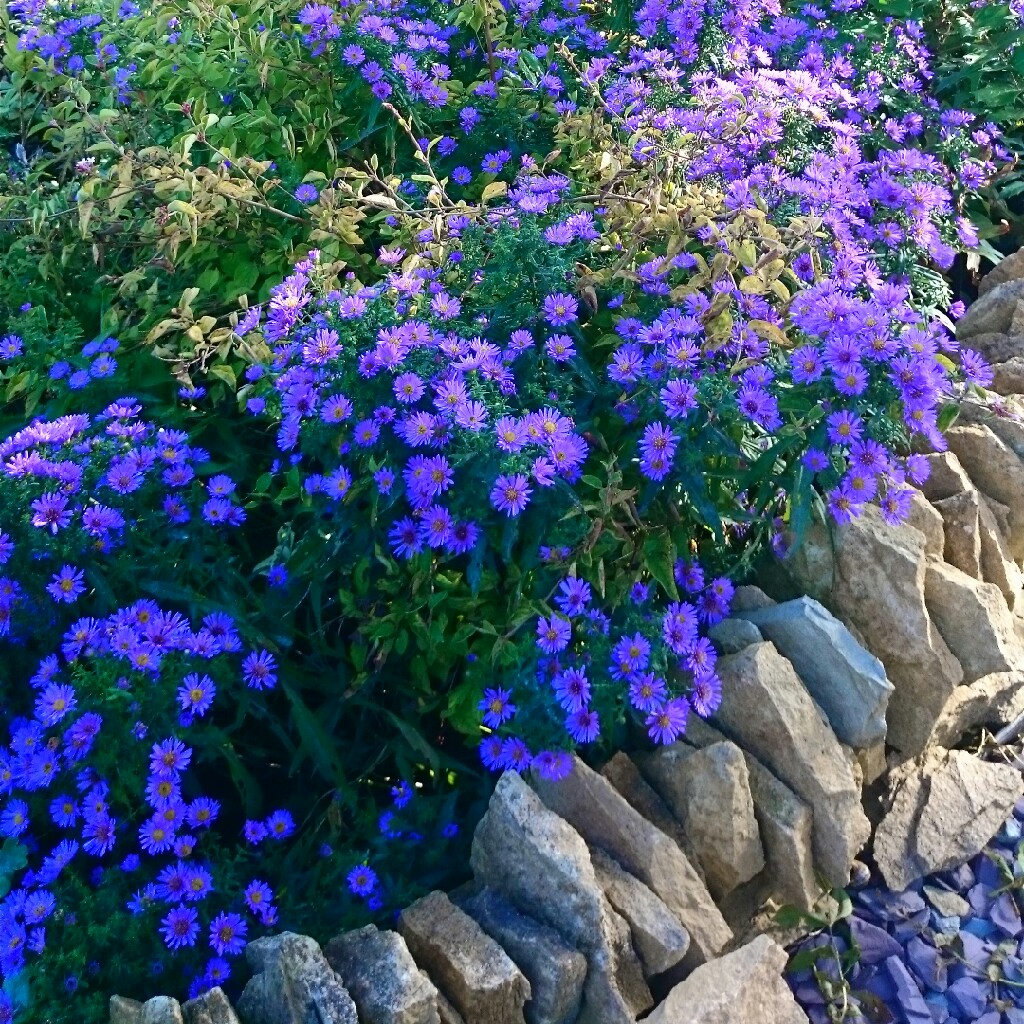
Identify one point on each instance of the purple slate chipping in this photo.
(968, 998)
(927, 964)
(875, 943)
(1005, 915)
(908, 995)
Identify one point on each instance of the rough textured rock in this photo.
(743, 987)
(992, 313)
(946, 477)
(659, 939)
(770, 714)
(211, 1007)
(1001, 421)
(161, 1010)
(997, 471)
(732, 635)
(472, 970)
(1008, 377)
(873, 580)
(381, 976)
(1009, 268)
(125, 1011)
(292, 983)
(994, 700)
(625, 776)
(944, 810)
(447, 1012)
(1017, 323)
(923, 516)
(785, 823)
(962, 531)
(595, 809)
(997, 346)
(542, 866)
(748, 597)
(973, 620)
(846, 681)
(997, 564)
(553, 968)
(709, 792)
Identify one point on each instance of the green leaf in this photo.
(316, 744)
(13, 858)
(660, 560)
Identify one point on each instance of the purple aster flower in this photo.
(180, 927)
(306, 194)
(227, 934)
(67, 585)
(259, 670)
(707, 694)
(280, 825)
(258, 896)
(14, 819)
(100, 834)
(560, 348)
(553, 765)
(665, 724)
(572, 689)
(196, 694)
(362, 880)
(491, 752)
(169, 758)
(511, 494)
(515, 754)
(497, 707)
(583, 725)
(554, 634)
(560, 309)
(51, 511)
(55, 702)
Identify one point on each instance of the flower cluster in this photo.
(79, 488)
(92, 810)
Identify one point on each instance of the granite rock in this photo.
(291, 982)
(381, 976)
(161, 1010)
(472, 970)
(554, 969)
(962, 531)
(871, 576)
(770, 714)
(944, 809)
(125, 1011)
(1009, 268)
(541, 865)
(973, 619)
(659, 939)
(598, 812)
(212, 1007)
(995, 470)
(743, 987)
(784, 820)
(732, 635)
(709, 793)
(993, 700)
(847, 682)
(992, 313)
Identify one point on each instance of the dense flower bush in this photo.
(503, 338)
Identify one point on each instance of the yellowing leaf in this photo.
(493, 190)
